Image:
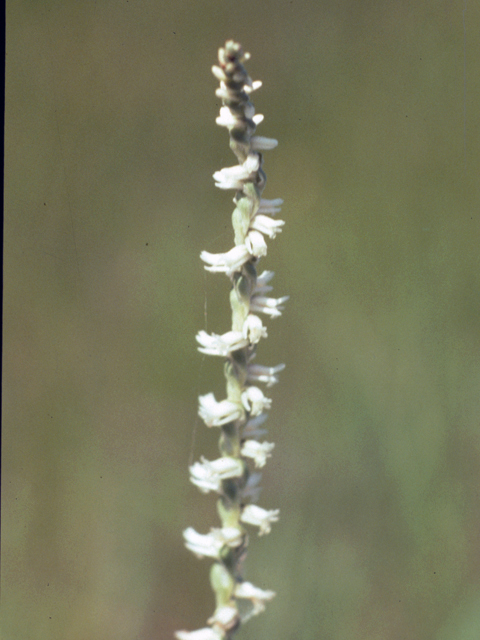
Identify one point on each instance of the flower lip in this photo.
(262, 518)
(216, 414)
(254, 401)
(259, 451)
(224, 345)
(229, 262)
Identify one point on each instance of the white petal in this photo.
(225, 467)
(228, 262)
(270, 306)
(256, 84)
(234, 177)
(201, 477)
(202, 545)
(256, 244)
(219, 73)
(225, 616)
(258, 596)
(216, 345)
(253, 329)
(227, 118)
(254, 401)
(207, 633)
(252, 514)
(260, 143)
(207, 475)
(216, 414)
(267, 225)
(259, 451)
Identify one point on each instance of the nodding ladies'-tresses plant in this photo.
(241, 414)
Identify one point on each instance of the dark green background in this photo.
(111, 144)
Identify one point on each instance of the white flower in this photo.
(234, 177)
(219, 73)
(259, 517)
(211, 543)
(272, 307)
(254, 401)
(226, 617)
(227, 118)
(256, 244)
(259, 373)
(258, 118)
(260, 143)
(259, 451)
(267, 225)
(228, 262)
(258, 596)
(201, 477)
(207, 633)
(202, 545)
(270, 207)
(256, 84)
(230, 119)
(208, 474)
(253, 329)
(214, 413)
(262, 518)
(215, 345)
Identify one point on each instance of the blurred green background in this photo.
(111, 144)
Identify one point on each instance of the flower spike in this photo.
(240, 416)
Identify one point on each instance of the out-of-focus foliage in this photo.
(110, 147)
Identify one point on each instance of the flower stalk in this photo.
(241, 414)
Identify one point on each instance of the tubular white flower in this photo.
(228, 262)
(258, 596)
(234, 177)
(211, 543)
(202, 545)
(259, 373)
(259, 451)
(207, 633)
(267, 225)
(254, 401)
(260, 517)
(215, 345)
(253, 329)
(256, 84)
(200, 477)
(227, 118)
(214, 413)
(272, 307)
(260, 143)
(256, 244)
(219, 73)
(225, 616)
(207, 475)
